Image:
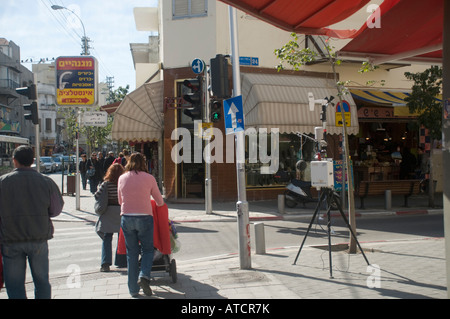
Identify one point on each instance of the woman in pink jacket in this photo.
(135, 189)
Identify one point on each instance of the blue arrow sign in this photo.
(234, 115)
(198, 66)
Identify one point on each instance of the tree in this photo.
(118, 94)
(95, 136)
(427, 86)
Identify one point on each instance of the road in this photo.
(76, 243)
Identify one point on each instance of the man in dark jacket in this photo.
(28, 200)
(108, 161)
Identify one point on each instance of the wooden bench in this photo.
(397, 187)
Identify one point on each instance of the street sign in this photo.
(76, 81)
(248, 61)
(233, 115)
(347, 114)
(198, 66)
(95, 119)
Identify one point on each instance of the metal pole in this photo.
(36, 129)
(446, 135)
(207, 119)
(77, 176)
(242, 204)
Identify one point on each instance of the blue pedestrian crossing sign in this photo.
(234, 115)
(198, 66)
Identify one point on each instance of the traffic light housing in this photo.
(33, 116)
(194, 97)
(216, 111)
(219, 77)
(31, 93)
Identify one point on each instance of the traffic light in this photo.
(219, 77)
(216, 111)
(33, 116)
(31, 93)
(194, 97)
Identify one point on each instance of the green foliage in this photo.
(292, 54)
(427, 86)
(96, 137)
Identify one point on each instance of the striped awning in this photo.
(384, 97)
(281, 101)
(140, 115)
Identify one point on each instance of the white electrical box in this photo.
(322, 174)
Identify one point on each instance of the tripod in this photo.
(331, 197)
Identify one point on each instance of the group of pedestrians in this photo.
(29, 199)
(95, 168)
(123, 202)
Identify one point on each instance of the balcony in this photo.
(8, 84)
(8, 89)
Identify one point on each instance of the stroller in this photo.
(164, 263)
(165, 242)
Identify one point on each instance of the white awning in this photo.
(281, 101)
(140, 115)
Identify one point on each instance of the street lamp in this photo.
(84, 40)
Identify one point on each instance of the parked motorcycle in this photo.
(298, 191)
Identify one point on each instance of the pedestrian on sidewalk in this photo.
(107, 206)
(83, 169)
(109, 160)
(28, 200)
(136, 188)
(93, 172)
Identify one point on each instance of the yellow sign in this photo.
(348, 119)
(76, 81)
(347, 114)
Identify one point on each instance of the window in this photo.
(189, 8)
(48, 125)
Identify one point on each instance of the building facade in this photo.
(184, 30)
(12, 76)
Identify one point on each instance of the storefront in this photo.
(139, 120)
(273, 102)
(280, 102)
(387, 146)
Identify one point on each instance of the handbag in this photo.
(90, 172)
(101, 201)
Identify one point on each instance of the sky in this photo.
(43, 33)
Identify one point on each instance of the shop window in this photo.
(292, 148)
(182, 9)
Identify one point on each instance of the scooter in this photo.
(298, 191)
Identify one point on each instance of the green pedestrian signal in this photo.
(216, 111)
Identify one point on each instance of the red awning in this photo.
(409, 29)
(302, 16)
